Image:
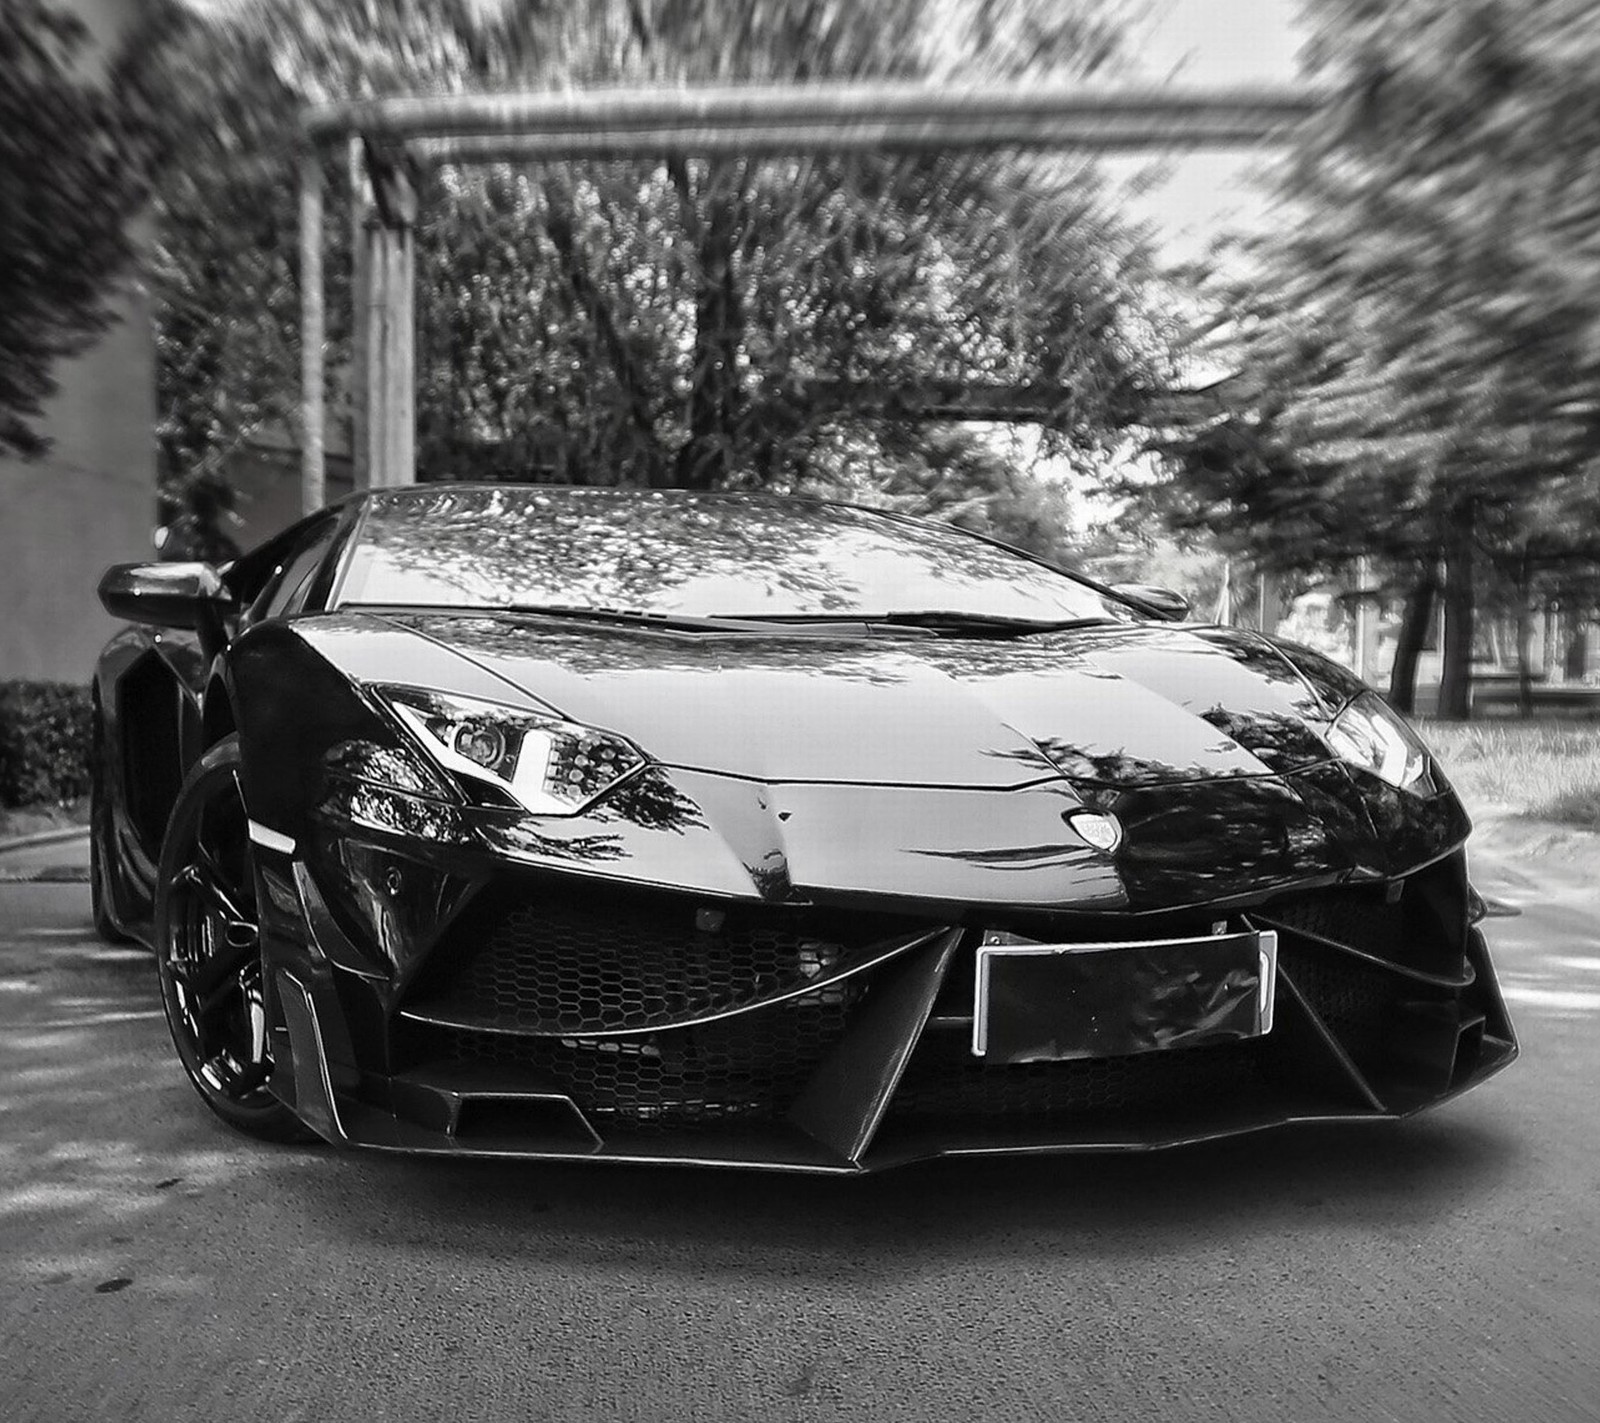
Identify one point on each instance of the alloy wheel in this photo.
(208, 950)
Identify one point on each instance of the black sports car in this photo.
(626, 825)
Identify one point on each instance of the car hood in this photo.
(1119, 704)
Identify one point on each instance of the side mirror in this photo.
(171, 595)
(1174, 607)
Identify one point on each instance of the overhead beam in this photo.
(783, 119)
(1091, 136)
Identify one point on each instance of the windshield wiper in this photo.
(637, 617)
(930, 620)
(942, 618)
(936, 620)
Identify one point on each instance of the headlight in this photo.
(1368, 734)
(546, 765)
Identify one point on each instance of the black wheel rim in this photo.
(211, 956)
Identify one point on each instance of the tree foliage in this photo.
(72, 175)
(698, 323)
(1420, 335)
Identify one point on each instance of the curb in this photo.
(58, 874)
(45, 837)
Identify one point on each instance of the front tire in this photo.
(208, 950)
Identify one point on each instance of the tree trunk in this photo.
(1414, 624)
(630, 374)
(1577, 660)
(715, 389)
(1455, 680)
(1524, 642)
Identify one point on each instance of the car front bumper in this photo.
(586, 1022)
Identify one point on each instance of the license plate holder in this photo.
(1039, 1002)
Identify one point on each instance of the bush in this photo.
(45, 730)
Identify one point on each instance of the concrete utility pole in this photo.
(385, 406)
(312, 336)
(656, 123)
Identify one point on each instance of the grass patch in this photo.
(1546, 770)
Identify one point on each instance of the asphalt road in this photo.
(153, 1266)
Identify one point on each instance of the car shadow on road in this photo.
(1388, 1177)
(104, 1131)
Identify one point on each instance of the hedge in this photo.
(45, 730)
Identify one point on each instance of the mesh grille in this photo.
(1424, 929)
(741, 1070)
(1361, 920)
(575, 965)
(1356, 1001)
(641, 963)
(1362, 1004)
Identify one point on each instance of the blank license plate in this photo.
(1050, 1002)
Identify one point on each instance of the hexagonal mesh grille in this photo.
(746, 1069)
(639, 963)
(1356, 1001)
(1423, 929)
(572, 963)
(1361, 920)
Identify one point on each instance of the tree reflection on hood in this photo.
(671, 551)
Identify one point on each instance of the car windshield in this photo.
(675, 553)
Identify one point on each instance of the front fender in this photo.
(292, 707)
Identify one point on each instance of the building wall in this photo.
(266, 484)
(90, 501)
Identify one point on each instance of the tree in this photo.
(1424, 324)
(690, 322)
(72, 175)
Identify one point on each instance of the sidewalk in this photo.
(1521, 862)
(56, 859)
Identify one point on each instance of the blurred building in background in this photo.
(264, 473)
(91, 500)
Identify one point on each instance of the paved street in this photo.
(152, 1266)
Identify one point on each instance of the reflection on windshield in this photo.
(667, 551)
